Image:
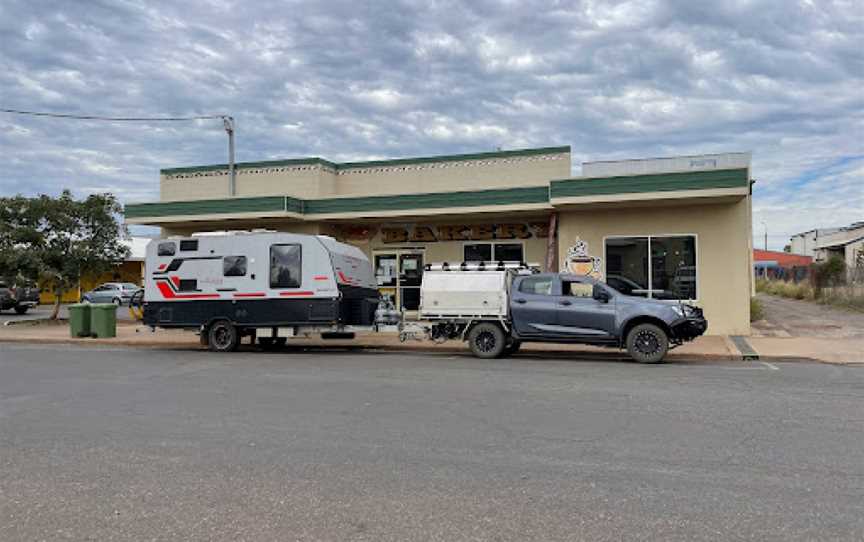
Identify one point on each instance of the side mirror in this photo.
(600, 294)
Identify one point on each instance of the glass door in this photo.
(410, 277)
(399, 274)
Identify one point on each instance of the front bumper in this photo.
(687, 329)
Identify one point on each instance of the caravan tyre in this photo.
(223, 336)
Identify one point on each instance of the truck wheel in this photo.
(21, 310)
(486, 340)
(647, 343)
(223, 336)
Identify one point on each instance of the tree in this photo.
(56, 241)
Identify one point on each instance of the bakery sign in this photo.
(432, 233)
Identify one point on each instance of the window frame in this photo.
(695, 237)
(245, 266)
(193, 242)
(270, 266)
(492, 246)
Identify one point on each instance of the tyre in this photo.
(486, 340)
(223, 336)
(86, 300)
(512, 347)
(647, 343)
(21, 310)
(117, 301)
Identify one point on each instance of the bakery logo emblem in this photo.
(580, 262)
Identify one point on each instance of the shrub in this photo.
(756, 310)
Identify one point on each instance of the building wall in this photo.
(315, 181)
(722, 250)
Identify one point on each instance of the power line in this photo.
(112, 119)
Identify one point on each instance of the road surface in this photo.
(116, 444)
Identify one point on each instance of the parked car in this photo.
(118, 293)
(496, 309)
(20, 297)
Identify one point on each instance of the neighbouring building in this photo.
(783, 265)
(665, 228)
(130, 270)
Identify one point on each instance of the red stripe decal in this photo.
(163, 266)
(176, 280)
(289, 294)
(252, 294)
(321, 277)
(168, 293)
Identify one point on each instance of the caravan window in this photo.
(166, 249)
(189, 245)
(234, 266)
(285, 266)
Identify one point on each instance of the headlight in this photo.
(679, 310)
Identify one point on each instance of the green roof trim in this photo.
(663, 182)
(503, 196)
(206, 207)
(373, 163)
(439, 200)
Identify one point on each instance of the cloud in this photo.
(344, 80)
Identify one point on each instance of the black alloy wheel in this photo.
(647, 343)
(486, 340)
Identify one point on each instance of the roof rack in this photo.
(519, 267)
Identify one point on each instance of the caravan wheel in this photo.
(223, 336)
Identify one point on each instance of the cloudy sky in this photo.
(359, 80)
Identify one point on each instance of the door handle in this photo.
(520, 301)
(565, 303)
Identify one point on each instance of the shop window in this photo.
(478, 253)
(536, 286)
(285, 266)
(494, 252)
(189, 245)
(166, 249)
(234, 266)
(660, 267)
(509, 252)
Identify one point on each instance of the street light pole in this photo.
(228, 122)
(766, 234)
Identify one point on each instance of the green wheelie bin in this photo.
(79, 320)
(103, 320)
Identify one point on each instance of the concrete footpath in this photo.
(129, 334)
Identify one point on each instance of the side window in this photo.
(536, 285)
(285, 266)
(166, 249)
(188, 285)
(577, 289)
(189, 245)
(234, 266)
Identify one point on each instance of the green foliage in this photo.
(756, 311)
(785, 289)
(58, 240)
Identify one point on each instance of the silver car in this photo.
(118, 293)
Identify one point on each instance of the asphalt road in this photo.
(113, 444)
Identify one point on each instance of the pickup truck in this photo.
(18, 297)
(496, 309)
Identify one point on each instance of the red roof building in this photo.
(782, 259)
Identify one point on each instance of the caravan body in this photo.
(258, 280)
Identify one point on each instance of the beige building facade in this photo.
(669, 228)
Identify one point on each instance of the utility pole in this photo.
(228, 122)
(766, 234)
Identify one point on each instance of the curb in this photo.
(399, 347)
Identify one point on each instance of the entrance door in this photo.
(410, 277)
(399, 274)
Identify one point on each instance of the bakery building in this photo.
(664, 228)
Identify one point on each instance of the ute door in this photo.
(580, 315)
(533, 305)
